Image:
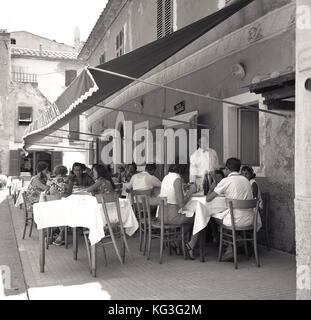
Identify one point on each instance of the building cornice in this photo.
(102, 25)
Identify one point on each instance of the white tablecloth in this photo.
(83, 211)
(20, 199)
(203, 210)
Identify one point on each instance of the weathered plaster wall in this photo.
(4, 90)
(278, 150)
(28, 40)
(50, 73)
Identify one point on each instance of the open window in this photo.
(24, 116)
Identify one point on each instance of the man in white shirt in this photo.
(202, 161)
(237, 187)
(145, 180)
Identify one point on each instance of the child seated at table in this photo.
(61, 184)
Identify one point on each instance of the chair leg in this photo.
(88, 252)
(48, 231)
(145, 239)
(31, 225)
(66, 237)
(105, 256)
(256, 250)
(126, 244)
(115, 246)
(183, 242)
(140, 237)
(161, 245)
(235, 255)
(25, 226)
(149, 241)
(220, 244)
(245, 244)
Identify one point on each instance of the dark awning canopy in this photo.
(92, 87)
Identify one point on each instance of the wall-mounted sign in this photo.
(180, 107)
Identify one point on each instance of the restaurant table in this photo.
(203, 211)
(80, 211)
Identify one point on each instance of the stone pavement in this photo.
(140, 279)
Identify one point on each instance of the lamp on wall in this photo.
(308, 84)
(238, 71)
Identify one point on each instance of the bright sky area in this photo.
(55, 20)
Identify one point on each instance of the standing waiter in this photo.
(203, 162)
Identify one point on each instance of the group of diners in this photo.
(230, 182)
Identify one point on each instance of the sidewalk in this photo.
(140, 279)
(9, 255)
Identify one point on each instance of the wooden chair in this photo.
(265, 218)
(28, 214)
(49, 236)
(157, 229)
(141, 216)
(228, 234)
(113, 230)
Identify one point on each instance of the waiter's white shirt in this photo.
(236, 187)
(202, 162)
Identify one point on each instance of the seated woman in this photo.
(80, 178)
(103, 182)
(249, 173)
(215, 178)
(172, 190)
(61, 184)
(38, 183)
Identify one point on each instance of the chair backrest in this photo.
(104, 199)
(140, 203)
(242, 204)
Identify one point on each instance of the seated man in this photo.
(237, 187)
(80, 178)
(145, 180)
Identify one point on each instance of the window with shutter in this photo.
(249, 137)
(102, 58)
(120, 43)
(24, 116)
(164, 18)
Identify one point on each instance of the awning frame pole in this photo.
(189, 92)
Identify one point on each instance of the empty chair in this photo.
(168, 234)
(28, 215)
(228, 234)
(141, 216)
(113, 229)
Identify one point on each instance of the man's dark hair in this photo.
(60, 170)
(77, 164)
(42, 165)
(178, 168)
(233, 164)
(151, 167)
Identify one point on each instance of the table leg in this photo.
(75, 243)
(42, 249)
(202, 245)
(93, 260)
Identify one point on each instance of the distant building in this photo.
(34, 72)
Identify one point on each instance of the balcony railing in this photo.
(24, 77)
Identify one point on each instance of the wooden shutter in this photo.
(249, 141)
(160, 18)
(168, 13)
(14, 168)
(57, 159)
(164, 18)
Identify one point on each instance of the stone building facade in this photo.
(33, 74)
(260, 39)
